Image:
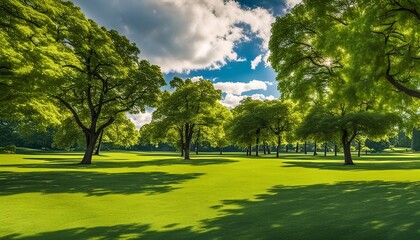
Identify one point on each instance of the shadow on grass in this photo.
(114, 163)
(359, 165)
(350, 210)
(91, 183)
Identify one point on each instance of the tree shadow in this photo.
(349, 210)
(359, 165)
(116, 163)
(91, 183)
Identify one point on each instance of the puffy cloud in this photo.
(238, 88)
(231, 100)
(197, 78)
(291, 3)
(140, 119)
(256, 62)
(184, 35)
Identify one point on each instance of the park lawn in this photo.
(151, 195)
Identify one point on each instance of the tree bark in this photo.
(287, 148)
(315, 150)
(346, 147)
(297, 147)
(98, 148)
(360, 149)
(325, 150)
(335, 150)
(257, 142)
(221, 150)
(91, 138)
(306, 152)
(264, 147)
(268, 149)
(278, 145)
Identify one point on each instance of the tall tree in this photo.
(386, 57)
(279, 117)
(322, 123)
(191, 105)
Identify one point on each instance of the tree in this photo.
(217, 135)
(248, 123)
(415, 140)
(191, 105)
(104, 79)
(323, 124)
(94, 73)
(386, 57)
(279, 117)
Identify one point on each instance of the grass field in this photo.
(131, 195)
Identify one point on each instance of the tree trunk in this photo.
(346, 146)
(221, 150)
(315, 153)
(325, 150)
(250, 150)
(257, 142)
(90, 147)
(287, 148)
(197, 142)
(187, 153)
(360, 149)
(264, 147)
(335, 150)
(268, 149)
(278, 145)
(98, 148)
(306, 152)
(297, 147)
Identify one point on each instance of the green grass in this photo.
(131, 195)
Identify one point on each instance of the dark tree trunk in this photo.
(287, 148)
(325, 150)
(278, 145)
(91, 138)
(297, 147)
(247, 151)
(197, 142)
(304, 148)
(335, 150)
(98, 148)
(257, 142)
(221, 150)
(268, 149)
(187, 152)
(346, 147)
(315, 149)
(360, 149)
(250, 150)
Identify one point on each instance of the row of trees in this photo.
(340, 78)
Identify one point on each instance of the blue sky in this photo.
(224, 41)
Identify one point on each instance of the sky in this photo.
(223, 41)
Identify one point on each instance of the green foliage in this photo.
(180, 114)
(354, 49)
(58, 56)
(415, 140)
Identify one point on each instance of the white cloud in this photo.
(256, 62)
(262, 97)
(231, 100)
(197, 78)
(238, 88)
(184, 35)
(140, 119)
(291, 3)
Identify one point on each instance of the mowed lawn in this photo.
(132, 195)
